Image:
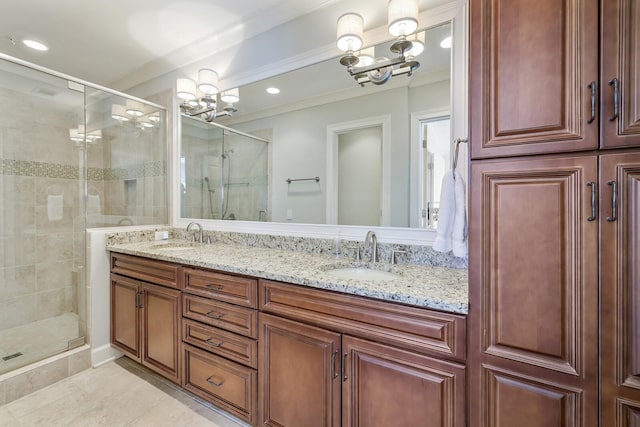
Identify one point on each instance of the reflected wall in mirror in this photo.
(307, 124)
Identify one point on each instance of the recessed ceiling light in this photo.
(33, 44)
(446, 43)
(273, 90)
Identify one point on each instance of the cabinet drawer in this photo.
(223, 287)
(413, 328)
(149, 270)
(232, 346)
(229, 385)
(243, 321)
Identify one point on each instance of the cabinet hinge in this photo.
(424, 143)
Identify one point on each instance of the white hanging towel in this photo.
(452, 216)
(55, 207)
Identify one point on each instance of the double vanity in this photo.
(294, 337)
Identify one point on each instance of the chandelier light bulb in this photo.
(403, 17)
(366, 56)
(208, 81)
(119, 113)
(230, 96)
(350, 30)
(186, 89)
(417, 44)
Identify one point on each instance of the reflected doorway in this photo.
(436, 161)
(360, 177)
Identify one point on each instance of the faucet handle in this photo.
(394, 253)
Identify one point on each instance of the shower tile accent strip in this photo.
(53, 170)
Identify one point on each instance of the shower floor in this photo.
(36, 341)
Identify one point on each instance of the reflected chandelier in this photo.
(361, 65)
(200, 99)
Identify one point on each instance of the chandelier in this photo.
(200, 99)
(362, 65)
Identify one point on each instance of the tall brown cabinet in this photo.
(554, 213)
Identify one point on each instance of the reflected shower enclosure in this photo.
(65, 165)
(224, 173)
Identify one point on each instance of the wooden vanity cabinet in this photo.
(314, 371)
(145, 317)
(552, 271)
(534, 68)
(220, 350)
(620, 290)
(620, 67)
(533, 293)
(530, 65)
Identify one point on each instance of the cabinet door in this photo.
(299, 381)
(531, 64)
(533, 274)
(620, 290)
(385, 386)
(125, 316)
(620, 60)
(161, 330)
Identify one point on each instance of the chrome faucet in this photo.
(199, 231)
(372, 240)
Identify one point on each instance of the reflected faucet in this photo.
(191, 224)
(372, 240)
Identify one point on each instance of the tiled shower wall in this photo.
(42, 246)
(42, 200)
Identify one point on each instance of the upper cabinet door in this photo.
(532, 64)
(620, 77)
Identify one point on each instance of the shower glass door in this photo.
(42, 215)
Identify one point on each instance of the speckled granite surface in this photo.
(413, 254)
(432, 287)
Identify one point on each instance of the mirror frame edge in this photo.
(455, 12)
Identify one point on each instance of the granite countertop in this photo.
(437, 288)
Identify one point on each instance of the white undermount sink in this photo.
(361, 273)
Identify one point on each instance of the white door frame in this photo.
(333, 133)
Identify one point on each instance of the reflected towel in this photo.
(55, 207)
(452, 216)
(93, 204)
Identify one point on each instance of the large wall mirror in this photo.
(325, 150)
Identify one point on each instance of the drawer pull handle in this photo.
(593, 201)
(615, 83)
(594, 88)
(215, 383)
(213, 286)
(214, 344)
(344, 366)
(614, 201)
(215, 314)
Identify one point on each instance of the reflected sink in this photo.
(360, 273)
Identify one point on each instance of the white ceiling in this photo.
(104, 42)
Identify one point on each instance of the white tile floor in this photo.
(37, 340)
(119, 393)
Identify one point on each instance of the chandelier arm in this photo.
(376, 66)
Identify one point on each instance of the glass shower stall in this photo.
(72, 155)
